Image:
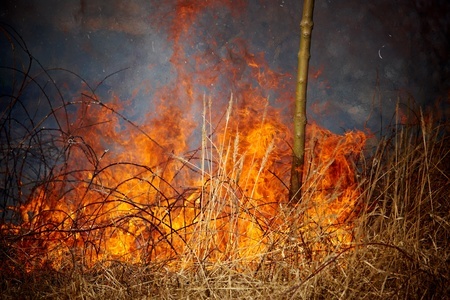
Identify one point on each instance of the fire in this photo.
(119, 191)
(332, 186)
(223, 202)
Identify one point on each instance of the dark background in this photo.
(366, 55)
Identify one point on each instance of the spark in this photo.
(379, 52)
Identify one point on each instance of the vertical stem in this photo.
(306, 26)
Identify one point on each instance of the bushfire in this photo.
(226, 199)
(198, 179)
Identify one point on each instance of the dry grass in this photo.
(400, 249)
(400, 224)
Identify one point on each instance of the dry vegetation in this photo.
(400, 246)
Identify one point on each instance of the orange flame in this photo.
(137, 194)
(140, 203)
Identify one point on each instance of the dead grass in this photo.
(400, 231)
(400, 249)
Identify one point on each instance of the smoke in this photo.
(365, 56)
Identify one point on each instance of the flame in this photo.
(332, 186)
(140, 193)
(139, 203)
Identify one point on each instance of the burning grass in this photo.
(87, 213)
(219, 241)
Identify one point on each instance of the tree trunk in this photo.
(306, 26)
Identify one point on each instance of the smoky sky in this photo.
(366, 56)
